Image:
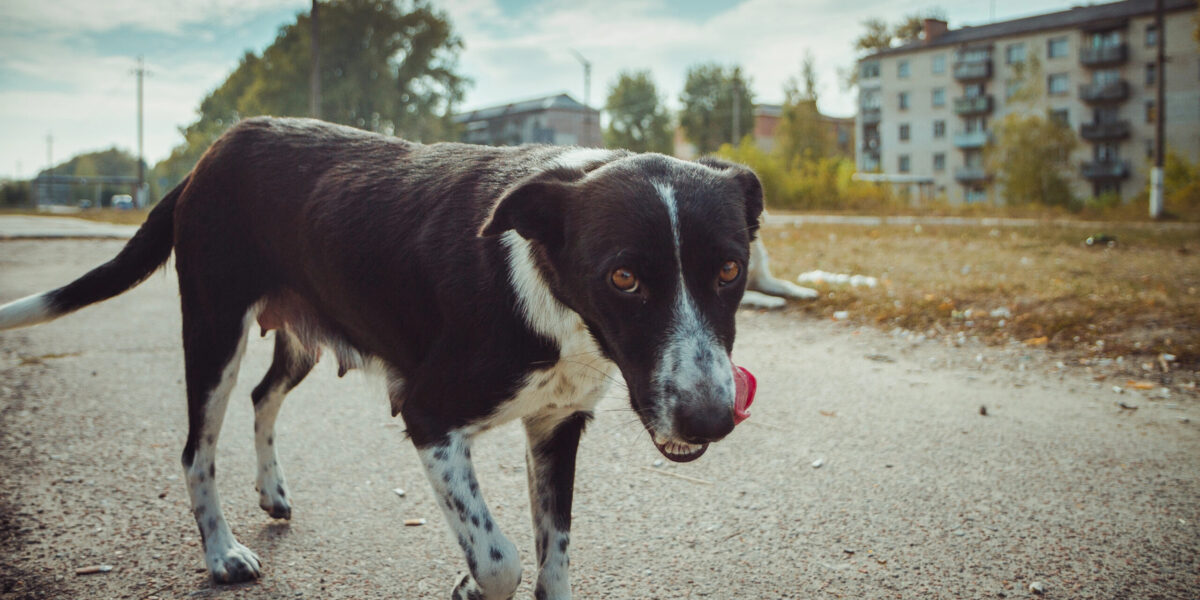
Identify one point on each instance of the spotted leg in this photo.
(495, 567)
(213, 348)
(291, 364)
(551, 467)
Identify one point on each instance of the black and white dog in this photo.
(487, 284)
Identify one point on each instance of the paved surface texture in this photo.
(918, 495)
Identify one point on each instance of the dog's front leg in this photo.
(551, 466)
(495, 567)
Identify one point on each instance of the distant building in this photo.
(926, 109)
(558, 120)
(766, 122)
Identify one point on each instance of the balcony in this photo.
(870, 116)
(1100, 93)
(1104, 56)
(1116, 130)
(969, 174)
(973, 70)
(973, 105)
(1105, 169)
(871, 144)
(972, 139)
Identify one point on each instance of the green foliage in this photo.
(1181, 186)
(386, 66)
(638, 120)
(14, 194)
(824, 183)
(1031, 86)
(104, 162)
(1031, 155)
(708, 102)
(879, 36)
(801, 135)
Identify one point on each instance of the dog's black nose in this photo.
(698, 421)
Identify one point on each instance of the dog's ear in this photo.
(534, 206)
(752, 191)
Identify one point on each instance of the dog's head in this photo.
(652, 252)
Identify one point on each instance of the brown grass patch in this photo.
(1138, 299)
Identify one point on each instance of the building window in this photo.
(1014, 54)
(1057, 84)
(902, 69)
(1056, 47)
(1150, 111)
(903, 100)
(939, 129)
(1061, 116)
(1151, 36)
(939, 64)
(939, 161)
(904, 132)
(869, 70)
(973, 90)
(939, 96)
(1151, 73)
(904, 166)
(1105, 77)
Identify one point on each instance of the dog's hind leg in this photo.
(495, 567)
(550, 462)
(760, 279)
(291, 364)
(213, 342)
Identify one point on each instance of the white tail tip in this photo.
(27, 311)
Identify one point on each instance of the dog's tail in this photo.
(149, 248)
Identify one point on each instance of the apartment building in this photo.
(927, 109)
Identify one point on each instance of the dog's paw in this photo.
(275, 503)
(233, 564)
(752, 299)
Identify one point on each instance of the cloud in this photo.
(165, 16)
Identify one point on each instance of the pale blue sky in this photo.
(65, 66)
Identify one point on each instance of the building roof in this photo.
(1078, 17)
(559, 102)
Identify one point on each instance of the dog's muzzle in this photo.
(697, 423)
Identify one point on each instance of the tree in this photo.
(1032, 158)
(801, 134)
(879, 36)
(708, 100)
(638, 120)
(1031, 152)
(385, 66)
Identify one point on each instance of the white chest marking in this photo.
(582, 374)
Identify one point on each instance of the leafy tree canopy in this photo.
(708, 106)
(801, 134)
(878, 35)
(386, 66)
(638, 120)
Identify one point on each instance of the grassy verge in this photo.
(103, 215)
(1040, 285)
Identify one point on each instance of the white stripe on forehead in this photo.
(666, 193)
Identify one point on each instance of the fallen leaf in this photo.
(1037, 341)
(1140, 385)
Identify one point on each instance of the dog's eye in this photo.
(624, 280)
(729, 273)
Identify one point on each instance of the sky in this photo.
(66, 66)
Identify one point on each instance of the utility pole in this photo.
(1160, 113)
(587, 77)
(140, 196)
(314, 74)
(47, 189)
(737, 108)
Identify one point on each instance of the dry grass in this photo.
(1137, 300)
(103, 215)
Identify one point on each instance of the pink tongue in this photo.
(746, 385)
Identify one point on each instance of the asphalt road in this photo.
(918, 495)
